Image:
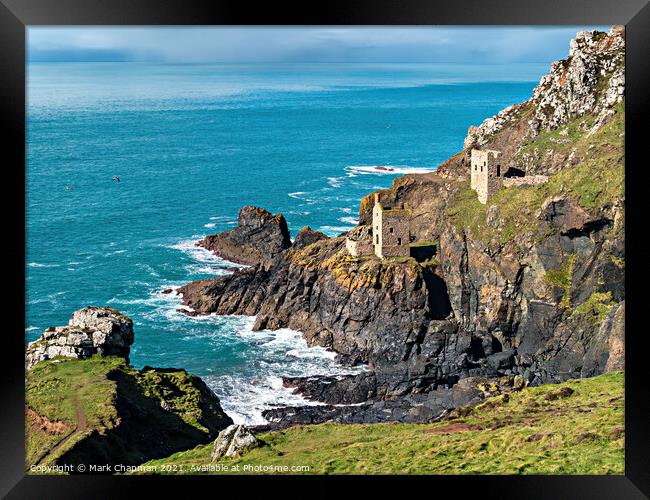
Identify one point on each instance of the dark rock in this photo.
(258, 239)
(501, 360)
(564, 392)
(306, 236)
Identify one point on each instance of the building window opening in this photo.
(399, 241)
(498, 170)
(377, 239)
(390, 230)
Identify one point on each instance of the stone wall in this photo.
(359, 248)
(359, 241)
(529, 180)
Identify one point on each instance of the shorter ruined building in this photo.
(389, 235)
(359, 241)
(390, 229)
(488, 176)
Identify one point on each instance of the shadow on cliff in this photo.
(437, 295)
(144, 430)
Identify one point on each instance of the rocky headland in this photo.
(85, 405)
(524, 290)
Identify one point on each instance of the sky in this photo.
(463, 44)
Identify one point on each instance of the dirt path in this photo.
(81, 426)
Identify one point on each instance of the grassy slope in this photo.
(524, 432)
(53, 390)
(596, 180)
(59, 389)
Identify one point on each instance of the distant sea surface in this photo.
(191, 144)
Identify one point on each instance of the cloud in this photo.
(302, 44)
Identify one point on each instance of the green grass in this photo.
(178, 390)
(58, 388)
(596, 181)
(596, 307)
(527, 432)
(560, 140)
(51, 391)
(417, 244)
(562, 278)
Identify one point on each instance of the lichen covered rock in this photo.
(91, 330)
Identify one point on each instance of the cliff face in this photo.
(529, 285)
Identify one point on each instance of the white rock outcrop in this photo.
(92, 330)
(590, 80)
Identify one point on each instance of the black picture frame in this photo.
(16, 15)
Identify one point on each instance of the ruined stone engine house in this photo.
(488, 176)
(389, 235)
(390, 228)
(485, 173)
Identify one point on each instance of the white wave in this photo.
(334, 230)
(334, 181)
(51, 298)
(158, 305)
(347, 210)
(297, 195)
(116, 252)
(205, 262)
(354, 170)
(350, 220)
(40, 264)
(210, 225)
(31, 328)
(284, 353)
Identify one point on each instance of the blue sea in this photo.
(192, 144)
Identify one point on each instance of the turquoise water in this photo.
(191, 145)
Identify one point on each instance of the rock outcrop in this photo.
(306, 236)
(258, 238)
(233, 441)
(529, 286)
(91, 330)
(591, 81)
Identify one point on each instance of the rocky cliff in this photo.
(530, 285)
